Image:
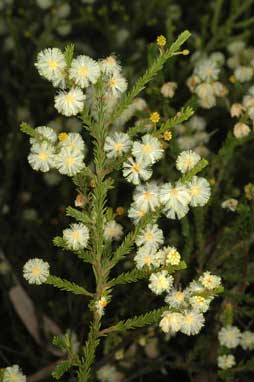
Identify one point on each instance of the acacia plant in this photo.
(96, 93)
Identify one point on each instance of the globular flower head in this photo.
(241, 130)
(229, 336)
(36, 271)
(210, 281)
(51, 63)
(117, 144)
(207, 70)
(230, 204)
(76, 236)
(84, 70)
(113, 230)
(160, 282)
(171, 322)
(13, 374)
(42, 156)
(187, 160)
(247, 340)
(175, 199)
(147, 257)
(226, 361)
(176, 298)
(110, 66)
(69, 162)
(45, 132)
(100, 305)
(200, 191)
(70, 102)
(146, 197)
(192, 323)
(199, 303)
(150, 236)
(136, 171)
(168, 89)
(116, 84)
(147, 151)
(170, 256)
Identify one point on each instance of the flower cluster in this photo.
(64, 152)
(244, 111)
(204, 82)
(230, 337)
(186, 307)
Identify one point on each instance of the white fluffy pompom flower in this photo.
(36, 271)
(171, 322)
(147, 257)
(70, 102)
(187, 160)
(45, 132)
(76, 236)
(147, 151)
(51, 63)
(150, 236)
(42, 156)
(69, 162)
(210, 281)
(160, 282)
(109, 66)
(226, 361)
(116, 84)
(229, 336)
(146, 197)
(135, 171)
(200, 191)
(13, 374)
(192, 323)
(170, 256)
(113, 230)
(117, 144)
(175, 199)
(84, 70)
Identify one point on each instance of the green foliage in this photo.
(67, 286)
(61, 369)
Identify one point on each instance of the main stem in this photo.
(99, 131)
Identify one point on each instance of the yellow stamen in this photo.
(62, 136)
(155, 117)
(161, 40)
(43, 155)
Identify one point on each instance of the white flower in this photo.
(113, 230)
(168, 89)
(76, 236)
(200, 191)
(199, 303)
(110, 66)
(171, 322)
(45, 132)
(207, 102)
(100, 305)
(231, 204)
(243, 73)
(219, 89)
(116, 84)
(194, 287)
(241, 130)
(70, 102)
(160, 282)
(186, 160)
(147, 256)
(74, 142)
(150, 236)
(69, 162)
(170, 256)
(13, 374)
(109, 373)
(36, 271)
(229, 336)
(207, 70)
(146, 197)
(197, 123)
(192, 323)
(236, 110)
(236, 47)
(148, 151)
(226, 361)
(204, 90)
(84, 70)
(50, 63)
(136, 213)
(139, 104)
(176, 199)
(136, 171)
(210, 281)
(218, 58)
(247, 340)
(42, 156)
(117, 144)
(176, 298)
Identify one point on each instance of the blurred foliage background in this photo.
(33, 206)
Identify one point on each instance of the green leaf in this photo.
(184, 114)
(150, 73)
(68, 286)
(78, 215)
(61, 368)
(68, 54)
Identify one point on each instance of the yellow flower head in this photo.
(62, 137)
(185, 52)
(161, 40)
(167, 136)
(232, 79)
(155, 117)
(120, 211)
